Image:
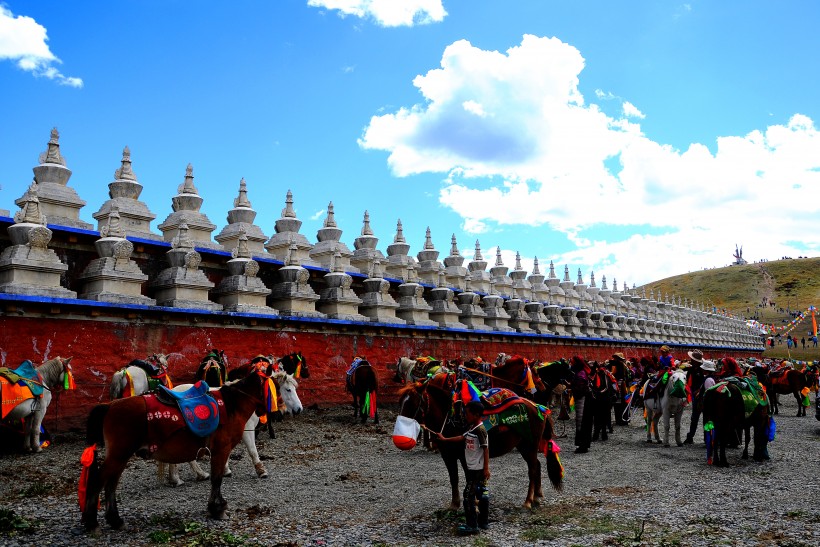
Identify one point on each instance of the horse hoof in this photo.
(667, 445)
(659, 441)
(679, 444)
(261, 472)
(115, 523)
(527, 505)
(176, 483)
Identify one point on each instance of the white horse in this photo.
(52, 376)
(133, 380)
(669, 404)
(405, 367)
(290, 404)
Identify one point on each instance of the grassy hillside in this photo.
(792, 284)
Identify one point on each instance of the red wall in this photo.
(99, 348)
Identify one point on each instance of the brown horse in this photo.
(515, 373)
(122, 426)
(431, 404)
(792, 381)
(361, 381)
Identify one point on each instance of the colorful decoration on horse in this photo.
(405, 432)
(197, 406)
(469, 392)
(87, 459)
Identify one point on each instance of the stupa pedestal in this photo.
(444, 311)
(240, 222)
(412, 306)
(540, 290)
(114, 277)
(241, 291)
(337, 300)
(519, 318)
(293, 295)
(538, 320)
(135, 217)
(186, 205)
(377, 304)
(58, 202)
(472, 314)
(28, 266)
(497, 319)
(183, 284)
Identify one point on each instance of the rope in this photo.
(490, 375)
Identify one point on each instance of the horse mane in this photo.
(51, 370)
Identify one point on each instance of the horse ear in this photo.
(67, 361)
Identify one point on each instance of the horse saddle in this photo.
(655, 386)
(25, 374)
(751, 392)
(198, 407)
(502, 407)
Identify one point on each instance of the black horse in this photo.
(602, 394)
(295, 364)
(724, 414)
(213, 368)
(361, 381)
(553, 375)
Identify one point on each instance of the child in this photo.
(477, 454)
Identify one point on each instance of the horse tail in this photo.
(555, 470)
(118, 385)
(94, 428)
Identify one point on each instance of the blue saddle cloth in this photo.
(199, 410)
(355, 364)
(24, 374)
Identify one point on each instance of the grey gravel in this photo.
(336, 482)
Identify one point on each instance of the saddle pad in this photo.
(12, 394)
(24, 372)
(514, 415)
(164, 420)
(498, 399)
(198, 408)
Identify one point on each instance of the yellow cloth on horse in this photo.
(11, 395)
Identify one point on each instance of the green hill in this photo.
(792, 284)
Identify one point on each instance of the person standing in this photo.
(580, 389)
(477, 456)
(803, 342)
(619, 367)
(694, 378)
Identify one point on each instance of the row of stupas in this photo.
(399, 289)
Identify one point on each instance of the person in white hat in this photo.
(694, 377)
(709, 369)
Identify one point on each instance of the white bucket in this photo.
(405, 432)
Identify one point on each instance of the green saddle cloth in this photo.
(750, 390)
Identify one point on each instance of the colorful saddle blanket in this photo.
(197, 405)
(502, 407)
(357, 362)
(750, 390)
(27, 374)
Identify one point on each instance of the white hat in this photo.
(708, 366)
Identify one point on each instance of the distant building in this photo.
(739, 260)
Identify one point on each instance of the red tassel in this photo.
(86, 459)
(373, 404)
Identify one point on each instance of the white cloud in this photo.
(23, 40)
(517, 121)
(388, 13)
(631, 111)
(318, 214)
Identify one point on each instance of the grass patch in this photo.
(178, 531)
(563, 521)
(35, 490)
(448, 515)
(12, 524)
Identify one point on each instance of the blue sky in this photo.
(639, 140)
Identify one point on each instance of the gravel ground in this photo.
(334, 482)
